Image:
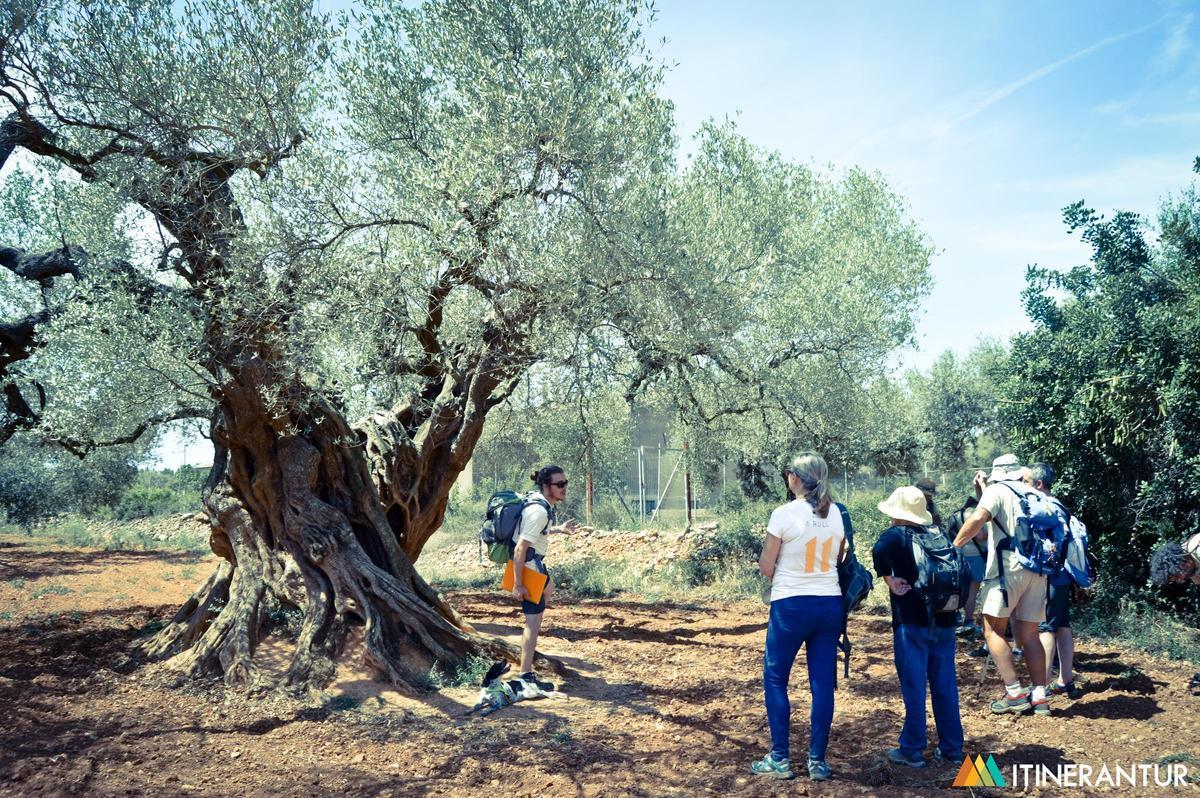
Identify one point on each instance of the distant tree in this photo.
(30, 492)
(803, 284)
(955, 404)
(39, 480)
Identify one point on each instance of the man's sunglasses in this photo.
(562, 484)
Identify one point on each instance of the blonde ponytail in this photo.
(812, 471)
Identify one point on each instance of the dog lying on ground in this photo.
(496, 693)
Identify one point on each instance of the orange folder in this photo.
(535, 582)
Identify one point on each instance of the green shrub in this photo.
(284, 620)
(1137, 621)
(596, 578)
(609, 514)
(732, 552)
(142, 501)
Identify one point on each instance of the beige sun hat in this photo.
(1006, 466)
(907, 504)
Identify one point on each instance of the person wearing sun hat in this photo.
(1008, 590)
(923, 641)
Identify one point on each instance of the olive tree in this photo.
(802, 284)
(349, 239)
(346, 240)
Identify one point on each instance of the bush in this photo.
(597, 578)
(143, 502)
(468, 672)
(732, 552)
(609, 514)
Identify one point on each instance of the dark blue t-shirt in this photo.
(892, 556)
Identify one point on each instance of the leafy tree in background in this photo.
(803, 284)
(39, 481)
(955, 406)
(1106, 387)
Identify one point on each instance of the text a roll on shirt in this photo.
(808, 551)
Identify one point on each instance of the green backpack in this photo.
(501, 522)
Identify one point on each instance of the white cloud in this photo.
(1037, 74)
(1176, 45)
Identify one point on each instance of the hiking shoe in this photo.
(1007, 703)
(1041, 707)
(908, 760)
(982, 651)
(530, 677)
(1018, 653)
(942, 760)
(818, 770)
(1056, 689)
(969, 630)
(775, 768)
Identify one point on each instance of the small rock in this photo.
(360, 757)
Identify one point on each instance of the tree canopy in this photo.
(345, 239)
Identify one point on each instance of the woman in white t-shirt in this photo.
(804, 543)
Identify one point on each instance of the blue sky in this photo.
(987, 117)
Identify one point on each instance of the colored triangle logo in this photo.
(967, 776)
(997, 776)
(978, 773)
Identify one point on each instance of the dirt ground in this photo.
(658, 700)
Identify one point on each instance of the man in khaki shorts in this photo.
(1025, 591)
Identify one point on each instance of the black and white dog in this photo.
(496, 693)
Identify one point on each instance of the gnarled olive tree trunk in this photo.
(313, 513)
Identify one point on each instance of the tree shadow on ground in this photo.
(25, 562)
(1118, 707)
(76, 644)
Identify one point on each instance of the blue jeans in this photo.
(816, 623)
(925, 654)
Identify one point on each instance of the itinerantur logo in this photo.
(977, 773)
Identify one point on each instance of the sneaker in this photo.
(775, 768)
(908, 760)
(818, 770)
(982, 651)
(969, 630)
(530, 677)
(1007, 703)
(1056, 689)
(1041, 707)
(1018, 653)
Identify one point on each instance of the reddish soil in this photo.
(661, 700)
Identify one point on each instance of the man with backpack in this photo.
(1056, 629)
(1019, 555)
(928, 580)
(517, 529)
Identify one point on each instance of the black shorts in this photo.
(1058, 608)
(534, 560)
